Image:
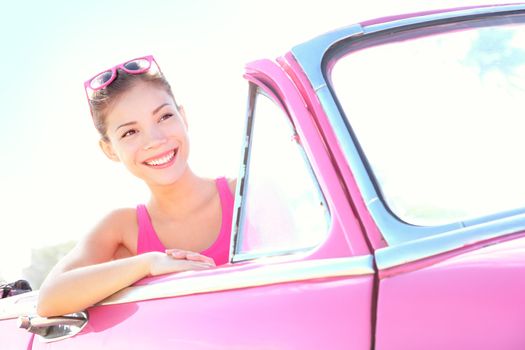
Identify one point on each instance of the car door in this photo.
(301, 275)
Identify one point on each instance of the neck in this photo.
(178, 199)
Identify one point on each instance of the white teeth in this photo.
(163, 160)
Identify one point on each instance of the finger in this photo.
(180, 254)
(193, 256)
(200, 257)
(194, 266)
(177, 253)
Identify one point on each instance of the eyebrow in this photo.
(125, 124)
(134, 122)
(159, 107)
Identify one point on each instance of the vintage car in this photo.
(380, 204)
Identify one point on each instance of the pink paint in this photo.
(287, 316)
(12, 337)
(469, 301)
(354, 196)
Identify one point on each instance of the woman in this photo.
(186, 223)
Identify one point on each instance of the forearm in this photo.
(79, 288)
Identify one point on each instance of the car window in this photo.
(283, 209)
(440, 121)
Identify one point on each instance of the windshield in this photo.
(440, 119)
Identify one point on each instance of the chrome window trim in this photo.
(393, 230)
(465, 14)
(198, 282)
(241, 177)
(426, 247)
(239, 257)
(254, 91)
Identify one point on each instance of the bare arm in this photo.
(88, 274)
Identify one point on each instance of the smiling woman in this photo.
(185, 225)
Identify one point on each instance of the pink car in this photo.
(381, 204)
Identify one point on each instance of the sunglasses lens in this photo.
(101, 79)
(137, 65)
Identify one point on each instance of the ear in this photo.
(107, 148)
(183, 115)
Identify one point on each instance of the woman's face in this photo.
(148, 134)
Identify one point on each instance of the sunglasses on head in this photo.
(135, 66)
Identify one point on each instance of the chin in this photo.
(166, 179)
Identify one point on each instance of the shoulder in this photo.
(102, 242)
(115, 226)
(119, 216)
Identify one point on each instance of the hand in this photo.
(162, 263)
(188, 255)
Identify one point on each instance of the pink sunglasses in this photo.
(135, 66)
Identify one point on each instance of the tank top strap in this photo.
(147, 240)
(224, 192)
(220, 249)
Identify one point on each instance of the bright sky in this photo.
(55, 183)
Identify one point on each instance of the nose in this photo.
(155, 138)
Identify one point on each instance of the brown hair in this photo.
(101, 100)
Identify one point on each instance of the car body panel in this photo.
(471, 300)
(13, 337)
(285, 316)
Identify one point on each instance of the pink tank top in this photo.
(148, 241)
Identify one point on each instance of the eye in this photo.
(128, 133)
(165, 116)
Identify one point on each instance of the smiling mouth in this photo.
(162, 160)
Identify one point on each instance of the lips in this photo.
(162, 160)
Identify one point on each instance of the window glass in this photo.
(283, 209)
(440, 120)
